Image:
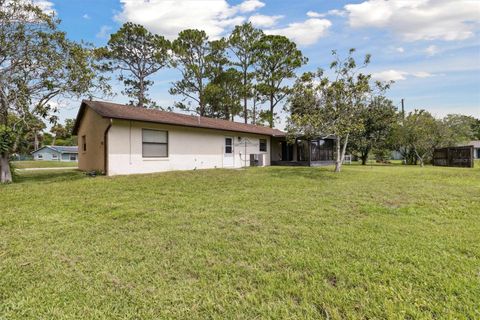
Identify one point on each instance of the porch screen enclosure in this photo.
(320, 150)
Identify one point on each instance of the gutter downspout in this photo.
(105, 148)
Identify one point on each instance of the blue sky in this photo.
(431, 48)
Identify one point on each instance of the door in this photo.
(287, 151)
(228, 159)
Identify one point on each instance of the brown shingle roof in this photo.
(125, 112)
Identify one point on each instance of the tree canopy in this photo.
(277, 60)
(244, 46)
(136, 54)
(37, 64)
(322, 106)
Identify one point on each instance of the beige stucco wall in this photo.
(189, 148)
(93, 127)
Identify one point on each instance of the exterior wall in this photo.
(476, 153)
(93, 127)
(188, 148)
(47, 154)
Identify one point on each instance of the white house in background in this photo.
(56, 153)
(476, 148)
(118, 139)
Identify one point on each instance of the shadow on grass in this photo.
(48, 176)
(304, 172)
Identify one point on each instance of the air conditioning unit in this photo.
(257, 160)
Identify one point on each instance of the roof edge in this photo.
(91, 104)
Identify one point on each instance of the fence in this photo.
(454, 157)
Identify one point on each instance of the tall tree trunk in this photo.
(364, 156)
(271, 111)
(35, 143)
(341, 154)
(141, 94)
(245, 110)
(338, 164)
(364, 159)
(5, 173)
(254, 113)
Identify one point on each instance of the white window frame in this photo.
(162, 143)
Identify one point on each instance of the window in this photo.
(84, 143)
(39, 156)
(263, 145)
(54, 156)
(73, 158)
(154, 143)
(228, 145)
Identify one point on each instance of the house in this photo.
(118, 139)
(476, 148)
(56, 153)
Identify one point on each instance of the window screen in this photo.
(228, 145)
(154, 143)
(263, 145)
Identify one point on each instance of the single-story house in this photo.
(119, 139)
(56, 153)
(476, 148)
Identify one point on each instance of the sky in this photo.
(430, 48)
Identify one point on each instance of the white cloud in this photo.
(400, 49)
(304, 33)
(335, 12)
(250, 5)
(104, 32)
(45, 6)
(390, 75)
(422, 74)
(169, 17)
(418, 19)
(86, 17)
(260, 20)
(313, 14)
(397, 75)
(431, 50)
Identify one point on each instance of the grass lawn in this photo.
(43, 164)
(275, 243)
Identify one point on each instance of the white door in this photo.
(228, 152)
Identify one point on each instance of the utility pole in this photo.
(403, 108)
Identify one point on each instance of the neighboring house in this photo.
(118, 139)
(56, 153)
(476, 148)
(396, 155)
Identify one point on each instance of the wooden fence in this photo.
(454, 157)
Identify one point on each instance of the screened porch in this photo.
(303, 152)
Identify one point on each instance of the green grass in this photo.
(264, 243)
(43, 164)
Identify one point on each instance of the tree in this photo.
(197, 59)
(462, 128)
(62, 134)
(277, 59)
(326, 107)
(222, 95)
(37, 64)
(58, 131)
(378, 120)
(420, 132)
(243, 43)
(137, 54)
